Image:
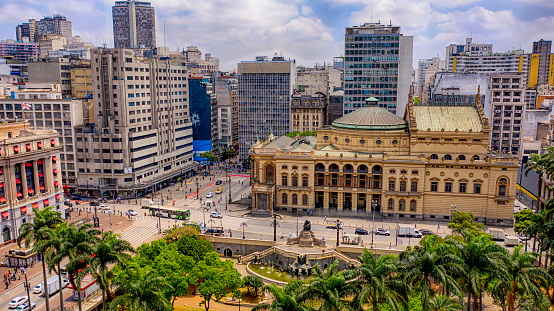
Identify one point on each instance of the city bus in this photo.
(170, 212)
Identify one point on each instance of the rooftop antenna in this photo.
(390, 22)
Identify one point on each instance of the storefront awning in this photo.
(31, 191)
(24, 209)
(35, 205)
(28, 164)
(46, 202)
(55, 171)
(40, 175)
(16, 148)
(58, 196)
(56, 183)
(39, 145)
(2, 199)
(28, 147)
(53, 142)
(41, 187)
(19, 194)
(54, 159)
(5, 214)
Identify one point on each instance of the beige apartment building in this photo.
(308, 112)
(142, 135)
(29, 175)
(55, 70)
(424, 166)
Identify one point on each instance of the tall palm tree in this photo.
(110, 249)
(432, 263)
(520, 278)
(284, 298)
(329, 287)
(541, 164)
(142, 290)
(479, 256)
(444, 303)
(378, 281)
(77, 242)
(53, 243)
(35, 232)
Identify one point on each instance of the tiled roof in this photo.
(449, 118)
(370, 118)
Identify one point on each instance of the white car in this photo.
(104, 207)
(17, 301)
(65, 282)
(37, 289)
(25, 307)
(216, 215)
(209, 195)
(132, 212)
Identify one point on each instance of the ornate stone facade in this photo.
(424, 166)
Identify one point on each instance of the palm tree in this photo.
(77, 243)
(254, 282)
(378, 281)
(284, 298)
(110, 249)
(541, 164)
(520, 278)
(432, 263)
(330, 287)
(479, 255)
(444, 303)
(35, 232)
(53, 242)
(142, 290)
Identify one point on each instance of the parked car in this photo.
(426, 232)
(131, 212)
(218, 182)
(25, 307)
(216, 215)
(334, 226)
(17, 301)
(68, 203)
(361, 231)
(214, 231)
(381, 231)
(65, 282)
(37, 289)
(209, 195)
(103, 207)
(219, 190)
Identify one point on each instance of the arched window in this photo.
(270, 174)
(413, 205)
(285, 198)
(502, 185)
(333, 168)
(319, 167)
(362, 169)
(462, 157)
(348, 168)
(475, 157)
(448, 157)
(434, 157)
(6, 234)
(401, 205)
(284, 167)
(304, 199)
(391, 204)
(377, 168)
(294, 199)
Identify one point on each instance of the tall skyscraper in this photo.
(265, 88)
(469, 49)
(27, 31)
(55, 25)
(142, 133)
(134, 25)
(377, 63)
(541, 71)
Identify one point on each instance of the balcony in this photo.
(377, 172)
(362, 171)
(317, 169)
(333, 170)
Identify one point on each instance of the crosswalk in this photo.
(141, 230)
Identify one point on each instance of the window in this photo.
(413, 206)
(391, 205)
(294, 181)
(403, 172)
(462, 157)
(414, 186)
(463, 186)
(401, 205)
(394, 142)
(378, 142)
(347, 140)
(391, 185)
(434, 157)
(392, 172)
(415, 172)
(502, 183)
(304, 199)
(448, 157)
(284, 180)
(362, 141)
(434, 186)
(475, 157)
(403, 185)
(325, 137)
(448, 187)
(284, 198)
(294, 199)
(477, 188)
(305, 181)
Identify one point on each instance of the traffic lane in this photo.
(36, 298)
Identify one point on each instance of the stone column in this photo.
(354, 202)
(325, 200)
(24, 180)
(355, 183)
(326, 180)
(35, 176)
(340, 201)
(48, 174)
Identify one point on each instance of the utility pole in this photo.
(396, 229)
(243, 224)
(373, 205)
(229, 181)
(159, 220)
(274, 224)
(338, 228)
(296, 221)
(197, 188)
(27, 287)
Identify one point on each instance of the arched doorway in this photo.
(6, 234)
(228, 252)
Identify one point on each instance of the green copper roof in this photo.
(370, 118)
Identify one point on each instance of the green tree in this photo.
(253, 282)
(174, 267)
(520, 279)
(329, 288)
(465, 222)
(541, 164)
(53, 242)
(524, 219)
(36, 232)
(218, 278)
(210, 157)
(109, 249)
(417, 100)
(444, 303)
(480, 257)
(142, 290)
(284, 298)
(432, 263)
(195, 247)
(378, 281)
(78, 242)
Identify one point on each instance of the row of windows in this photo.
(402, 205)
(448, 187)
(295, 199)
(403, 183)
(461, 157)
(294, 181)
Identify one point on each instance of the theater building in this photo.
(424, 166)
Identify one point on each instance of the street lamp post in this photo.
(453, 209)
(27, 287)
(373, 206)
(229, 181)
(159, 220)
(274, 224)
(197, 188)
(297, 221)
(338, 228)
(203, 212)
(243, 224)
(211, 221)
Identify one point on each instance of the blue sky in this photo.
(310, 31)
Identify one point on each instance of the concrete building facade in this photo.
(226, 91)
(264, 95)
(308, 112)
(20, 51)
(27, 31)
(55, 70)
(134, 25)
(377, 63)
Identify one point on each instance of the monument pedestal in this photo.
(306, 238)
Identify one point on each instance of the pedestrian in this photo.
(325, 219)
(6, 284)
(390, 244)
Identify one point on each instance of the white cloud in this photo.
(16, 12)
(306, 10)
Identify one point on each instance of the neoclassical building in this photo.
(424, 166)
